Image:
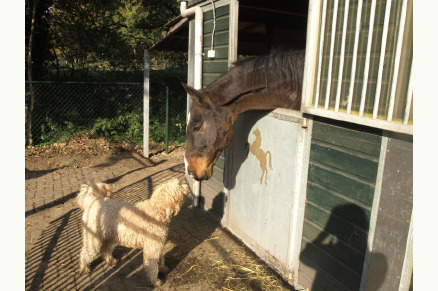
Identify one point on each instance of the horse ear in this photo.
(195, 94)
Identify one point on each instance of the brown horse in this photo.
(261, 83)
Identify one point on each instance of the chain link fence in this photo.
(167, 114)
(56, 112)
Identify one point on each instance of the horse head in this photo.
(263, 83)
(209, 132)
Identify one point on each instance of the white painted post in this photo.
(401, 29)
(382, 59)
(341, 63)
(353, 65)
(321, 46)
(146, 105)
(409, 96)
(332, 46)
(367, 58)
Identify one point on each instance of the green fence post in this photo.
(167, 120)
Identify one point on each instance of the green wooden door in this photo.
(213, 68)
(341, 180)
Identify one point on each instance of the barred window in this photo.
(362, 59)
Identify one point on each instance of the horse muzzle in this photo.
(199, 168)
(197, 177)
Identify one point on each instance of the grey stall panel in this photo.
(261, 196)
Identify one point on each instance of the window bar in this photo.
(382, 58)
(367, 58)
(332, 44)
(397, 59)
(409, 96)
(353, 65)
(321, 44)
(341, 63)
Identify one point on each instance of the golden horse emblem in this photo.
(262, 156)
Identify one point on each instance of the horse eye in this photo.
(197, 128)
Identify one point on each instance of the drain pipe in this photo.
(197, 76)
(199, 17)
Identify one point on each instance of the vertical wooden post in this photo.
(146, 105)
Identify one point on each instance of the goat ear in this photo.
(199, 97)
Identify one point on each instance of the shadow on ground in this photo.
(52, 263)
(199, 253)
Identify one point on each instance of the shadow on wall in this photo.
(334, 259)
(217, 207)
(245, 122)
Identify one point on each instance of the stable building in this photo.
(335, 210)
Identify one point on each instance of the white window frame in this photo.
(312, 73)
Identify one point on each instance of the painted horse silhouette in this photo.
(261, 156)
(261, 83)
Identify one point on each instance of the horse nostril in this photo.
(190, 173)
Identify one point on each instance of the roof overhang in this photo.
(260, 23)
(176, 38)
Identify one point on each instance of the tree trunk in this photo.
(29, 109)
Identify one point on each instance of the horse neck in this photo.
(241, 90)
(232, 84)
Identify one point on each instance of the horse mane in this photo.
(277, 73)
(285, 69)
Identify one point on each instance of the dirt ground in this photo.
(200, 254)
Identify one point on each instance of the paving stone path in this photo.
(53, 234)
(199, 253)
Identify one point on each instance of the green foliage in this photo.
(105, 36)
(95, 40)
(169, 77)
(113, 110)
(53, 132)
(102, 41)
(157, 77)
(157, 130)
(177, 129)
(128, 126)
